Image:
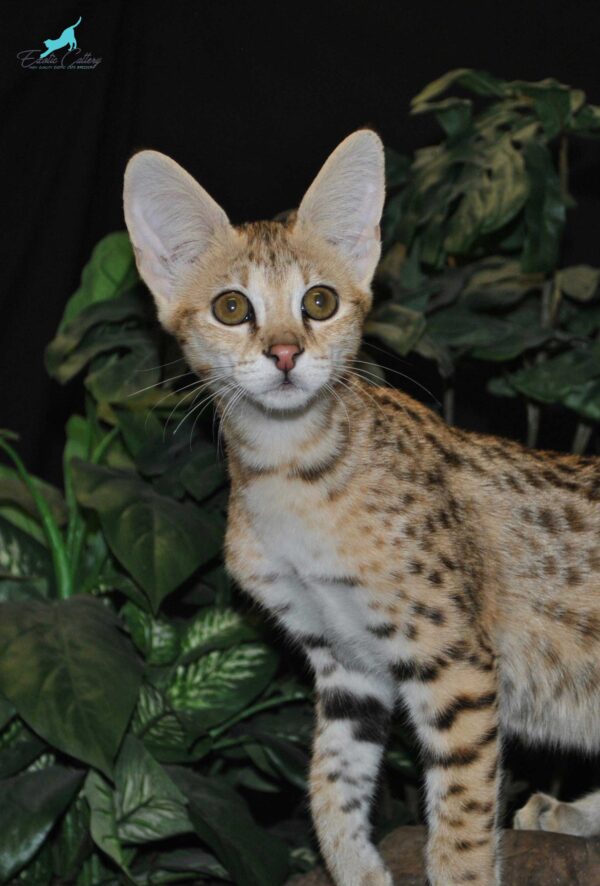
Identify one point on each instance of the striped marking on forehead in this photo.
(268, 246)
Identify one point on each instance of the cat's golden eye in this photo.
(232, 308)
(320, 303)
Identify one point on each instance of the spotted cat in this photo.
(415, 563)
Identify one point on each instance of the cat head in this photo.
(273, 309)
(48, 43)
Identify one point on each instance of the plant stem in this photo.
(56, 543)
(563, 167)
(583, 432)
(448, 405)
(533, 424)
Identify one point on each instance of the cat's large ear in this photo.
(171, 220)
(345, 201)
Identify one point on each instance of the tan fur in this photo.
(412, 561)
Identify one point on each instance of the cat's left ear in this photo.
(171, 220)
(345, 201)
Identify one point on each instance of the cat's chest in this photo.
(316, 551)
(299, 530)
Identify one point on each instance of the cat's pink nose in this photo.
(285, 356)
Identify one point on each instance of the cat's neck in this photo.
(262, 440)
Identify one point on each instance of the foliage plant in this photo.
(154, 729)
(473, 232)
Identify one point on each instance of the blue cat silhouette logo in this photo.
(60, 54)
(67, 38)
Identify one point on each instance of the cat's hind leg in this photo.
(545, 813)
(353, 713)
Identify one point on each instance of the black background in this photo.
(250, 97)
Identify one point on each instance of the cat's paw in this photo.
(545, 813)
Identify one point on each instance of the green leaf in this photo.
(31, 803)
(478, 82)
(178, 866)
(222, 821)
(397, 167)
(495, 196)
(580, 282)
(584, 399)
(544, 211)
(103, 819)
(160, 541)
(148, 804)
(203, 473)
(118, 379)
(220, 684)
(156, 724)
(12, 489)
(110, 272)
(215, 628)
(64, 364)
(156, 638)
(71, 674)
(22, 557)
(19, 747)
(553, 380)
(453, 114)
(398, 327)
(71, 843)
(7, 712)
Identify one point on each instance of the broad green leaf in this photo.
(215, 628)
(544, 211)
(585, 400)
(31, 803)
(19, 747)
(453, 114)
(148, 804)
(30, 526)
(551, 381)
(99, 340)
(7, 712)
(500, 387)
(177, 866)
(160, 541)
(498, 283)
(222, 820)
(494, 197)
(397, 167)
(14, 490)
(458, 327)
(580, 282)
(71, 673)
(398, 327)
(110, 272)
(156, 724)
(22, 557)
(551, 102)
(478, 82)
(157, 639)
(220, 684)
(118, 380)
(70, 842)
(203, 473)
(103, 819)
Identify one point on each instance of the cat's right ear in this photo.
(171, 221)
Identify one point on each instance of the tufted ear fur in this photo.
(171, 220)
(345, 201)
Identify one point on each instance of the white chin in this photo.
(284, 397)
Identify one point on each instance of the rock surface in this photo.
(531, 858)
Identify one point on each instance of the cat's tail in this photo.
(76, 23)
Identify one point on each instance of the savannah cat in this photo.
(415, 563)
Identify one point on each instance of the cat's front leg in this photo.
(353, 713)
(453, 705)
